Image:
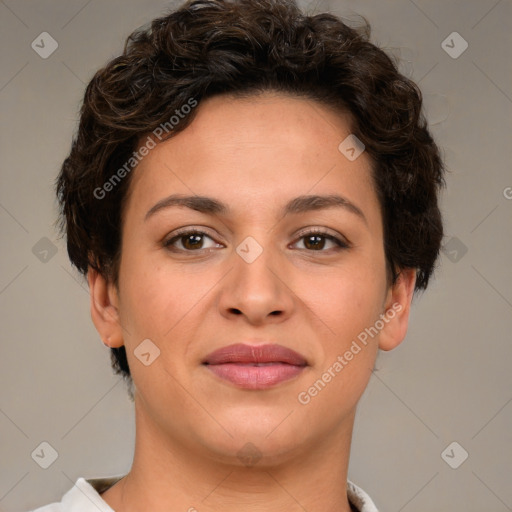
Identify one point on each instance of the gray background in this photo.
(449, 381)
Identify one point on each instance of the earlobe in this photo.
(397, 310)
(104, 309)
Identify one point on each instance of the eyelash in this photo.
(319, 232)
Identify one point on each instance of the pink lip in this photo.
(255, 366)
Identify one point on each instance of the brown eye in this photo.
(317, 240)
(314, 242)
(192, 241)
(189, 241)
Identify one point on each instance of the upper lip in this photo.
(243, 353)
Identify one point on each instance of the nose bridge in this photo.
(253, 263)
(256, 289)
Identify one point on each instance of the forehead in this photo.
(251, 152)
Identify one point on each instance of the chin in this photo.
(255, 451)
(258, 437)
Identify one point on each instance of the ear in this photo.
(396, 310)
(104, 309)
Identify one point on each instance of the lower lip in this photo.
(255, 377)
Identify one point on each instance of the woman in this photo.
(252, 195)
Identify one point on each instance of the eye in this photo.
(191, 240)
(316, 240)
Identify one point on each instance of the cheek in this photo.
(161, 299)
(347, 353)
(150, 298)
(347, 299)
(346, 305)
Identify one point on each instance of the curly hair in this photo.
(212, 47)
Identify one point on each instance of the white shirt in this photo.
(84, 496)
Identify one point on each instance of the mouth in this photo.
(255, 366)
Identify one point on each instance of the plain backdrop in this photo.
(450, 381)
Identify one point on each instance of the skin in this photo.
(254, 154)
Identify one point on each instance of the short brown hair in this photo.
(211, 47)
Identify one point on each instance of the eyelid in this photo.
(339, 240)
(201, 230)
(325, 232)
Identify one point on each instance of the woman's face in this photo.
(269, 267)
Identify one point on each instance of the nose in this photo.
(258, 290)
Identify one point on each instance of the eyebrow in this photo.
(300, 204)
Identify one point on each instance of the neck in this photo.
(166, 475)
